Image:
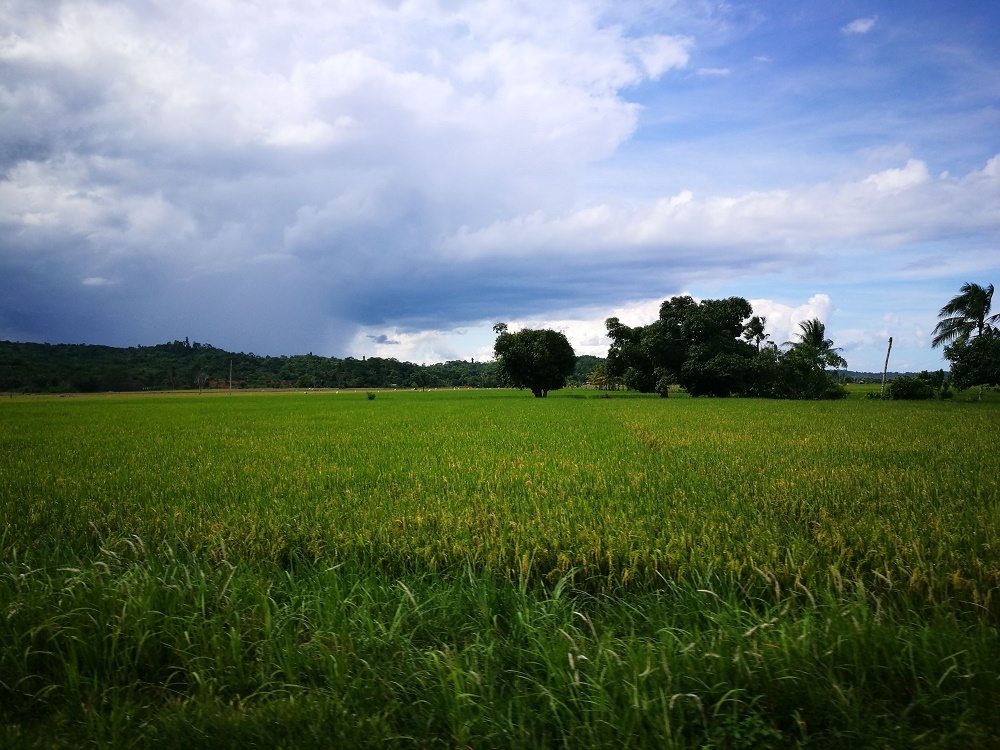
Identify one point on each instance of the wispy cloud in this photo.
(860, 25)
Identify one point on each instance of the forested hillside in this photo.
(61, 368)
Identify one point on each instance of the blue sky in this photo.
(391, 178)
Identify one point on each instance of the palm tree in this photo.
(601, 380)
(753, 331)
(966, 313)
(812, 335)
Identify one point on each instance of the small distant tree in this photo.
(540, 360)
(601, 380)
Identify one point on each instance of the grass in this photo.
(487, 569)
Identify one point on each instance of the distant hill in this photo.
(85, 368)
(855, 376)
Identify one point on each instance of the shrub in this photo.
(910, 389)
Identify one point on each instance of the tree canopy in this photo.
(540, 360)
(975, 361)
(965, 315)
(972, 342)
(719, 348)
(64, 368)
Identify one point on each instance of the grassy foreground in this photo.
(486, 569)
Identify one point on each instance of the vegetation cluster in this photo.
(60, 368)
(967, 330)
(719, 348)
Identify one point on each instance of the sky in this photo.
(392, 177)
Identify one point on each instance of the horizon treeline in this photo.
(29, 367)
(92, 368)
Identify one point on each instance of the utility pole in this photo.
(886, 368)
(230, 377)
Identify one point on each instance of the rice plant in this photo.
(484, 568)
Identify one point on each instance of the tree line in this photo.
(709, 348)
(60, 368)
(720, 348)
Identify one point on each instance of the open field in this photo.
(482, 568)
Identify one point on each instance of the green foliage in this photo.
(63, 368)
(695, 345)
(708, 349)
(967, 314)
(801, 375)
(539, 360)
(909, 389)
(972, 342)
(585, 366)
(754, 331)
(975, 361)
(600, 379)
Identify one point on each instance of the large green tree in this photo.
(537, 359)
(718, 348)
(965, 318)
(697, 345)
(975, 361)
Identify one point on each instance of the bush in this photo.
(910, 389)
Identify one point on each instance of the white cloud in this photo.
(458, 101)
(424, 347)
(96, 281)
(886, 208)
(586, 330)
(896, 180)
(860, 25)
(659, 53)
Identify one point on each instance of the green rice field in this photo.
(486, 569)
